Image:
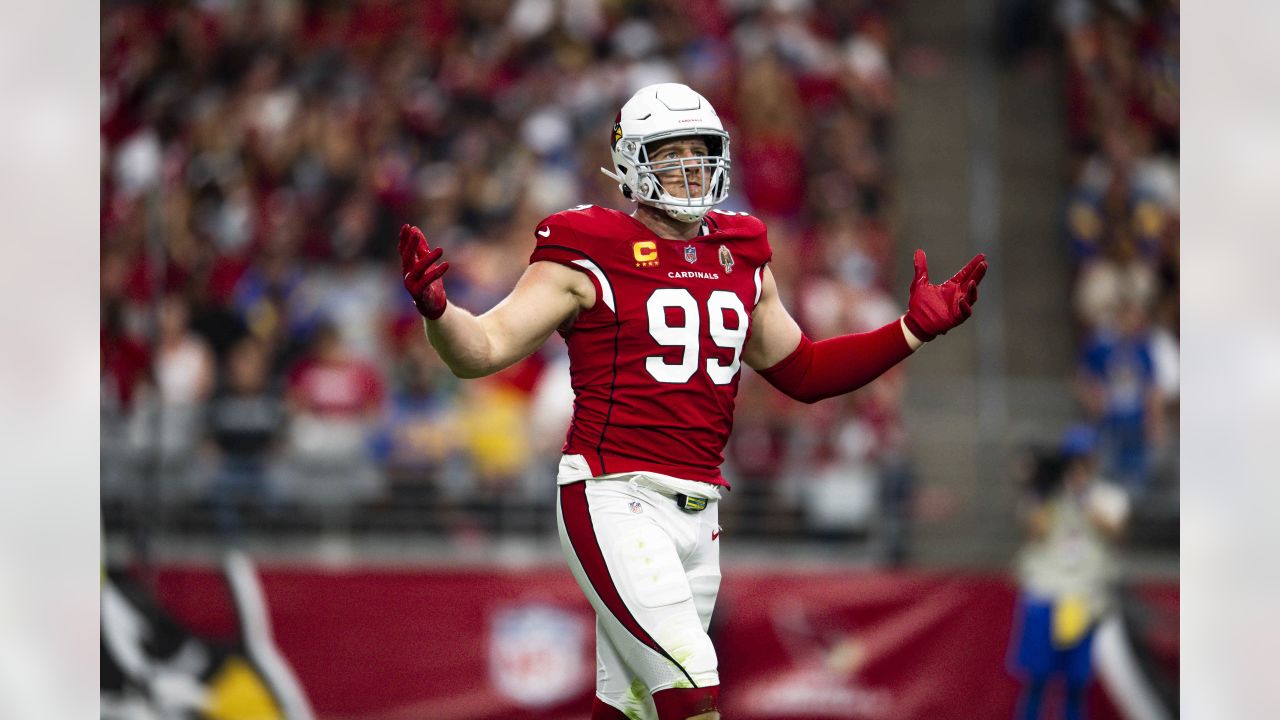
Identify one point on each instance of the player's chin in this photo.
(678, 191)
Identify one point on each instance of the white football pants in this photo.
(651, 570)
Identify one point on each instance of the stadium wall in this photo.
(449, 644)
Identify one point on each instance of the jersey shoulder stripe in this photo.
(606, 290)
(581, 261)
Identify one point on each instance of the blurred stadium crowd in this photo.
(1122, 224)
(260, 362)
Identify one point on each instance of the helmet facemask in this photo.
(639, 174)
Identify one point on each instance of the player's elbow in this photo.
(796, 390)
(471, 372)
(466, 369)
(470, 364)
(804, 395)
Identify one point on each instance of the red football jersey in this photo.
(655, 362)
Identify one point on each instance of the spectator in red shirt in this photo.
(334, 400)
(126, 373)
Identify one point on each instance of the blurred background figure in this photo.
(169, 422)
(126, 373)
(1120, 391)
(335, 400)
(418, 443)
(246, 421)
(1067, 570)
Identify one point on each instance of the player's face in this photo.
(666, 158)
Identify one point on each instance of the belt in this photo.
(690, 504)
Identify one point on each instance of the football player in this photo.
(660, 309)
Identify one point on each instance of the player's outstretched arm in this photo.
(810, 371)
(545, 297)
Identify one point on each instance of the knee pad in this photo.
(681, 703)
(601, 710)
(682, 636)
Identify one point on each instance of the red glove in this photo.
(932, 310)
(421, 273)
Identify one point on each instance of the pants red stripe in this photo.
(582, 536)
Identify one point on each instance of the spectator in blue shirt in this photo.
(1119, 391)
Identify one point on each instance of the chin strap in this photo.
(630, 195)
(622, 185)
(696, 218)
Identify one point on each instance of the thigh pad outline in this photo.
(651, 567)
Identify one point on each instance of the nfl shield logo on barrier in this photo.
(690, 254)
(538, 654)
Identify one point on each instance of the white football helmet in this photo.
(661, 112)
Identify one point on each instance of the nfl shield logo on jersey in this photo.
(690, 254)
(538, 654)
(635, 507)
(726, 259)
